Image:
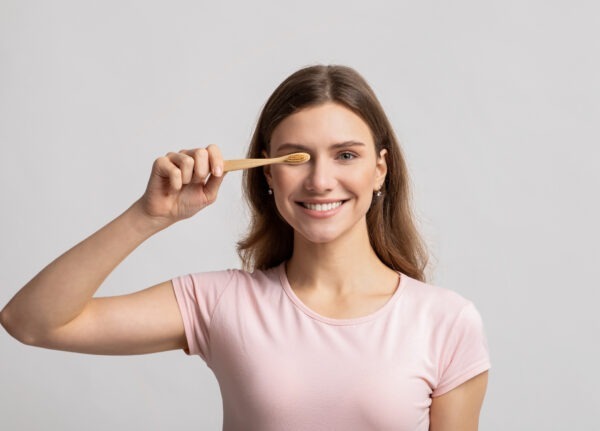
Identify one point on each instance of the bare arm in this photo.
(459, 409)
(56, 309)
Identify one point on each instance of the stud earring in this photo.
(270, 191)
(378, 193)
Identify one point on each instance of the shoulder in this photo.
(433, 300)
(223, 279)
(437, 310)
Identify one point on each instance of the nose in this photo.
(321, 176)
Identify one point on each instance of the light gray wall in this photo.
(497, 107)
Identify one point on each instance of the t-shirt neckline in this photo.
(340, 322)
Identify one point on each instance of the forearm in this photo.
(60, 292)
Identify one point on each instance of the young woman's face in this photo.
(329, 195)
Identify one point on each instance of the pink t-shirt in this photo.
(282, 366)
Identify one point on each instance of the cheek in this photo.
(362, 179)
(286, 177)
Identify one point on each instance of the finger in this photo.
(201, 167)
(215, 159)
(185, 164)
(165, 169)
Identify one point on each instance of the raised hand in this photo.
(183, 183)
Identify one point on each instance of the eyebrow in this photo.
(298, 147)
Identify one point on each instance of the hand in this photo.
(183, 183)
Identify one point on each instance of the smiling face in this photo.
(327, 197)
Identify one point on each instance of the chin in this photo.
(326, 234)
(319, 237)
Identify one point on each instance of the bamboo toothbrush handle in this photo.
(234, 165)
(293, 159)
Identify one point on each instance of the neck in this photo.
(346, 265)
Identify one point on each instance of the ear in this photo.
(267, 168)
(381, 169)
(267, 172)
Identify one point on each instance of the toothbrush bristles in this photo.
(298, 158)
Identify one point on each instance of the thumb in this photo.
(211, 187)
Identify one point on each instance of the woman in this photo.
(335, 328)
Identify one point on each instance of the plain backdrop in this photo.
(496, 105)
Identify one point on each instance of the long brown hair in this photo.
(392, 231)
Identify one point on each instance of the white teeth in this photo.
(322, 207)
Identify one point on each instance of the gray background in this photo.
(497, 108)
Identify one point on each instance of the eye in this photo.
(347, 155)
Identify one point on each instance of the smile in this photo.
(322, 207)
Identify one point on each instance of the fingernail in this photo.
(218, 171)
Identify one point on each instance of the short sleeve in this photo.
(465, 353)
(198, 296)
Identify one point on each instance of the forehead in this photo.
(321, 125)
